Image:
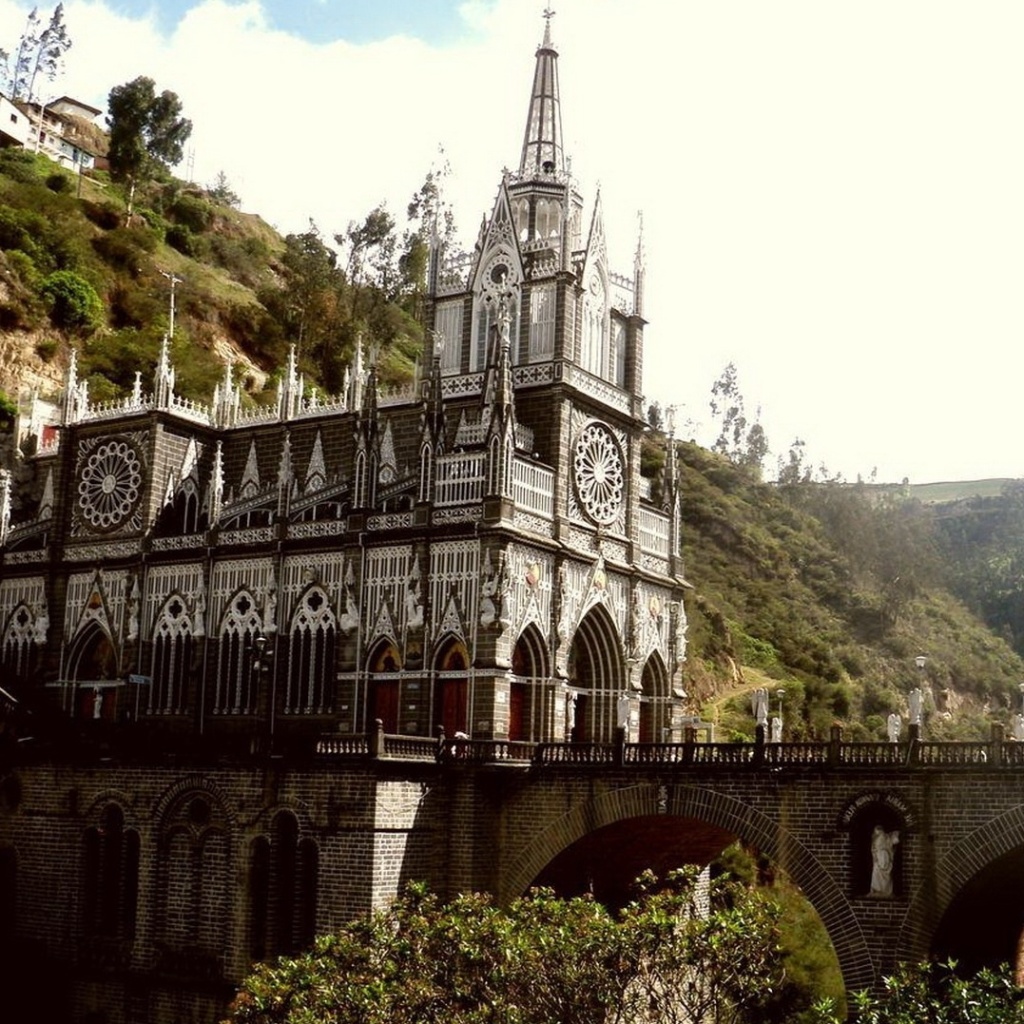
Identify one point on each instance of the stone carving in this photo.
(759, 706)
(883, 845)
(892, 727)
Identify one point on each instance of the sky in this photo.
(832, 193)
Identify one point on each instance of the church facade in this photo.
(212, 611)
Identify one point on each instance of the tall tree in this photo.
(147, 132)
(52, 44)
(27, 45)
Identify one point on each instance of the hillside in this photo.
(826, 590)
(830, 593)
(74, 275)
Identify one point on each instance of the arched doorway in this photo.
(528, 712)
(92, 662)
(597, 677)
(655, 702)
(451, 688)
(384, 666)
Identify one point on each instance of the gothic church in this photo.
(224, 629)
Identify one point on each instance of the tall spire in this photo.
(542, 143)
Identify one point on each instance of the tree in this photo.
(222, 191)
(39, 52)
(936, 993)
(681, 948)
(739, 441)
(147, 132)
(74, 304)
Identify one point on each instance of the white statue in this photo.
(97, 703)
(883, 845)
(776, 729)
(892, 727)
(759, 706)
(1018, 727)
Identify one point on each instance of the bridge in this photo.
(593, 816)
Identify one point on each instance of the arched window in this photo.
(19, 637)
(529, 708)
(593, 357)
(311, 655)
(283, 890)
(172, 659)
(194, 880)
(236, 683)
(110, 877)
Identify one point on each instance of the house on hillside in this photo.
(65, 130)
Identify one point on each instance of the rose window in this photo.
(597, 462)
(109, 484)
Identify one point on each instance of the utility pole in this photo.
(174, 280)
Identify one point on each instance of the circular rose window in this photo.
(597, 462)
(109, 484)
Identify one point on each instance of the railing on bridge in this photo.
(912, 754)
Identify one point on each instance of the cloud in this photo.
(831, 193)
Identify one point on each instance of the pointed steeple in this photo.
(163, 382)
(639, 268)
(542, 143)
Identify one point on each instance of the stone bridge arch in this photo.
(972, 855)
(717, 809)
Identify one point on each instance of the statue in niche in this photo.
(413, 602)
(199, 614)
(564, 603)
(494, 597)
(883, 846)
(41, 627)
(270, 610)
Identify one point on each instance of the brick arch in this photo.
(964, 861)
(713, 808)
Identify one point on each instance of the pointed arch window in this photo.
(593, 357)
(542, 322)
(236, 683)
(311, 655)
(19, 637)
(172, 659)
(448, 323)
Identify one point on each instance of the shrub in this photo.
(74, 302)
(103, 215)
(192, 213)
(58, 182)
(179, 237)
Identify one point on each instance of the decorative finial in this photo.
(548, 15)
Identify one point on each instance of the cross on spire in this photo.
(548, 15)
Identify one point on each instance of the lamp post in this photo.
(915, 700)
